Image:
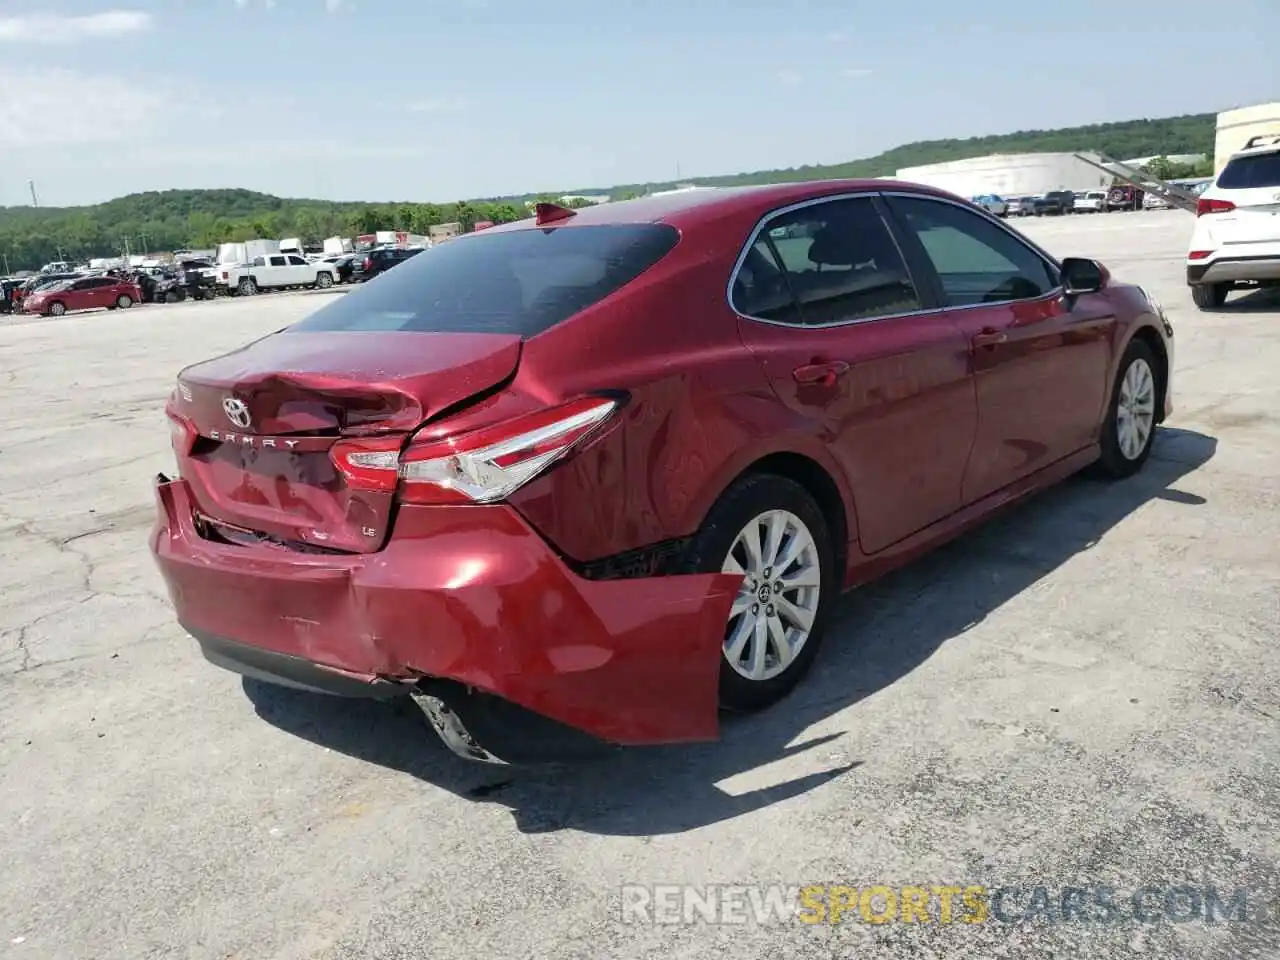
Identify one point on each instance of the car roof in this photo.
(688, 208)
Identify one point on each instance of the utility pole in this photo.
(126, 248)
(35, 200)
(143, 238)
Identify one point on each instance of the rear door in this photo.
(1040, 363)
(851, 343)
(1252, 183)
(277, 272)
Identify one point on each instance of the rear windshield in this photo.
(1260, 170)
(519, 282)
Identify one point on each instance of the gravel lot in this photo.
(1082, 693)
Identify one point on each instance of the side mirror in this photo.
(1080, 275)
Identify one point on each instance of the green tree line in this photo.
(200, 219)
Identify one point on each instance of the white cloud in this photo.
(856, 71)
(45, 28)
(332, 5)
(47, 107)
(789, 77)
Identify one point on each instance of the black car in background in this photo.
(374, 262)
(1055, 202)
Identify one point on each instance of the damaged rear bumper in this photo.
(472, 613)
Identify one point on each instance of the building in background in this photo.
(1235, 127)
(1010, 175)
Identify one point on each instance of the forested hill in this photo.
(171, 219)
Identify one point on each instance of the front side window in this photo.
(826, 263)
(977, 261)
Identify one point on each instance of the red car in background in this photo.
(592, 476)
(83, 293)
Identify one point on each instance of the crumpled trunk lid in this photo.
(268, 414)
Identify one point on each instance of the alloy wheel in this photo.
(1136, 409)
(774, 611)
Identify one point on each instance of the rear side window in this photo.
(1243, 173)
(518, 282)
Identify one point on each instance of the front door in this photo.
(849, 342)
(1040, 361)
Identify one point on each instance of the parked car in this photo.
(343, 265)
(37, 283)
(1091, 201)
(592, 476)
(1054, 203)
(380, 260)
(84, 293)
(274, 271)
(1020, 206)
(1124, 197)
(1236, 239)
(992, 204)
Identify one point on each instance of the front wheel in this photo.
(1209, 296)
(57, 309)
(324, 281)
(1130, 428)
(124, 302)
(770, 530)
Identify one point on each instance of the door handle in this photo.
(989, 338)
(824, 372)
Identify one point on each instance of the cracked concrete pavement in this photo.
(1082, 693)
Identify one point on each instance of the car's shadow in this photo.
(882, 632)
(1261, 300)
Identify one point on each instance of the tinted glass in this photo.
(977, 261)
(826, 263)
(277, 261)
(519, 282)
(1243, 173)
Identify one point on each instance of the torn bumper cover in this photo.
(469, 610)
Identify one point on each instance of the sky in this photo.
(440, 100)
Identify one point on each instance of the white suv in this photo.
(1237, 234)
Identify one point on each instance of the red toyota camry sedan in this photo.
(591, 477)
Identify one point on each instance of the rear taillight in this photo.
(1207, 205)
(1199, 254)
(182, 434)
(368, 263)
(483, 466)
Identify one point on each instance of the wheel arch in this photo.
(1150, 337)
(818, 482)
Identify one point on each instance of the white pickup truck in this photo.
(274, 271)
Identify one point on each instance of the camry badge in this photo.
(237, 412)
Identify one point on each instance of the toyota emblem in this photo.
(237, 412)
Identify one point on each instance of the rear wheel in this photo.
(324, 281)
(247, 287)
(124, 301)
(771, 531)
(171, 296)
(1130, 428)
(1209, 296)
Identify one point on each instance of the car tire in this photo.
(124, 301)
(247, 287)
(1129, 431)
(170, 296)
(57, 309)
(1209, 296)
(742, 512)
(324, 281)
